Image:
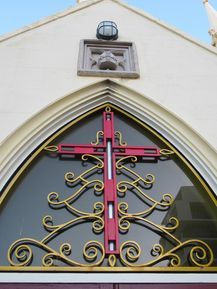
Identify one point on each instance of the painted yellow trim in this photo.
(110, 269)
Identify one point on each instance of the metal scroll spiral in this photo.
(199, 253)
(21, 252)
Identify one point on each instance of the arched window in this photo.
(107, 192)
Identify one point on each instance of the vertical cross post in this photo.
(110, 191)
(109, 151)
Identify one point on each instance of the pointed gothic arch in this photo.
(106, 92)
(16, 148)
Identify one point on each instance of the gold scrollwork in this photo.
(124, 186)
(82, 179)
(53, 199)
(21, 249)
(200, 254)
(21, 252)
(98, 134)
(124, 224)
(149, 178)
(119, 136)
(70, 177)
(98, 224)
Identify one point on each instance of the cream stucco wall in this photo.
(40, 66)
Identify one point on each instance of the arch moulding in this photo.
(16, 148)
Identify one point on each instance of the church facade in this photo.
(108, 151)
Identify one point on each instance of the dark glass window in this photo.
(53, 214)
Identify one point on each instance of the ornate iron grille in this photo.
(110, 156)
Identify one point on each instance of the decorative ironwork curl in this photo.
(70, 176)
(98, 186)
(23, 253)
(53, 199)
(98, 134)
(118, 134)
(124, 224)
(124, 186)
(130, 251)
(98, 224)
(200, 254)
(21, 249)
(148, 180)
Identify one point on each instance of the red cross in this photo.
(109, 151)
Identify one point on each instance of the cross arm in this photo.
(71, 149)
(147, 151)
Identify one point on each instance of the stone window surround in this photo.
(72, 106)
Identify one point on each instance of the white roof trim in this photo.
(88, 3)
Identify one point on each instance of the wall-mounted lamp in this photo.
(107, 30)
